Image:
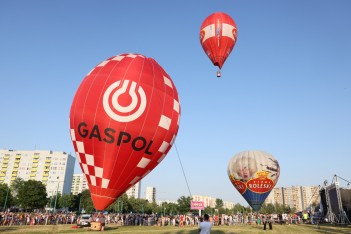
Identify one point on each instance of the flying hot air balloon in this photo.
(254, 174)
(124, 120)
(218, 34)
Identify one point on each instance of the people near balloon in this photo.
(124, 119)
(254, 174)
(205, 226)
(218, 35)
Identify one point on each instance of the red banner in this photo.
(258, 185)
(197, 205)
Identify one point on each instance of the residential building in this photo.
(160, 202)
(211, 201)
(53, 169)
(298, 197)
(79, 183)
(276, 195)
(134, 191)
(208, 201)
(150, 194)
(228, 205)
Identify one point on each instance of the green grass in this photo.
(235, 229)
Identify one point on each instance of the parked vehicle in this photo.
(85, 220)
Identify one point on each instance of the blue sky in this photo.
(285, 89)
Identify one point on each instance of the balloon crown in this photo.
(262, 175)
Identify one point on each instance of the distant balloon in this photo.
(123, 121)
(254, 174)
(218, 34)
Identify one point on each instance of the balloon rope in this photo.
(175, 145)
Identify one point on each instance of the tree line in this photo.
(31, 195)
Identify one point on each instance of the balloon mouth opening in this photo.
(217, 64)
(101, 202)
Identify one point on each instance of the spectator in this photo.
(205, 226)
(270, 222)
(102, 220)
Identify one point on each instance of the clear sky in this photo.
(285, 89)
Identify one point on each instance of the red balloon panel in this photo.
(124, 119)
(218, 34)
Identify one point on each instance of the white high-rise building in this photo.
(208, 201)
(298, 197)
(228, 205)
(150, 194)
(211, 201)
(79, 183)
(134, 191)
(54, 169)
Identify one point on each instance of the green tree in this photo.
(86, 202)
(66, 201)
(5, 196)
(51, 201)
(76, 202)
(184, 204)
(163, 208)
(140, 206)
(151, 208)
(15, 185)
(133, 204)
(55, 201)
(268, 209)
(124, 203)
(113, 207)
(136, 204)
(238, 208)
(208, 210)
(171, 208)
(219, 203)
(32, 195)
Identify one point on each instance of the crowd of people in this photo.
(137, 219)
(36, 218)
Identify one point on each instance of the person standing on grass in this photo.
(264, 221)
(205, 226)
(270, 222)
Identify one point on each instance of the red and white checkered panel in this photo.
(86, 162)
(124, 120)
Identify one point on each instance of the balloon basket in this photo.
(219, 74)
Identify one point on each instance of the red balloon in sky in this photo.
(218, 35)
(123, 121)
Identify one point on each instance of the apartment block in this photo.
(150, 194)
(79, 183)
(53, 169)
(298, 197)
(134, 191)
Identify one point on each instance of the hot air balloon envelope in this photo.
(123, 121)
(218, 35)
(254, 174)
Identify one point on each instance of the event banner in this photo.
(197, 205)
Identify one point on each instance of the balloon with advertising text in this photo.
(218, 34)
(254, 174)
(124, 119)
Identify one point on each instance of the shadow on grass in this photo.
(329, 228)
(8, 229)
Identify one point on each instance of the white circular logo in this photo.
(124, 113)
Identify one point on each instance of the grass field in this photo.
(235, 229)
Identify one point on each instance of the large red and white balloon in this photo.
(123, 121)
(218, 34)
